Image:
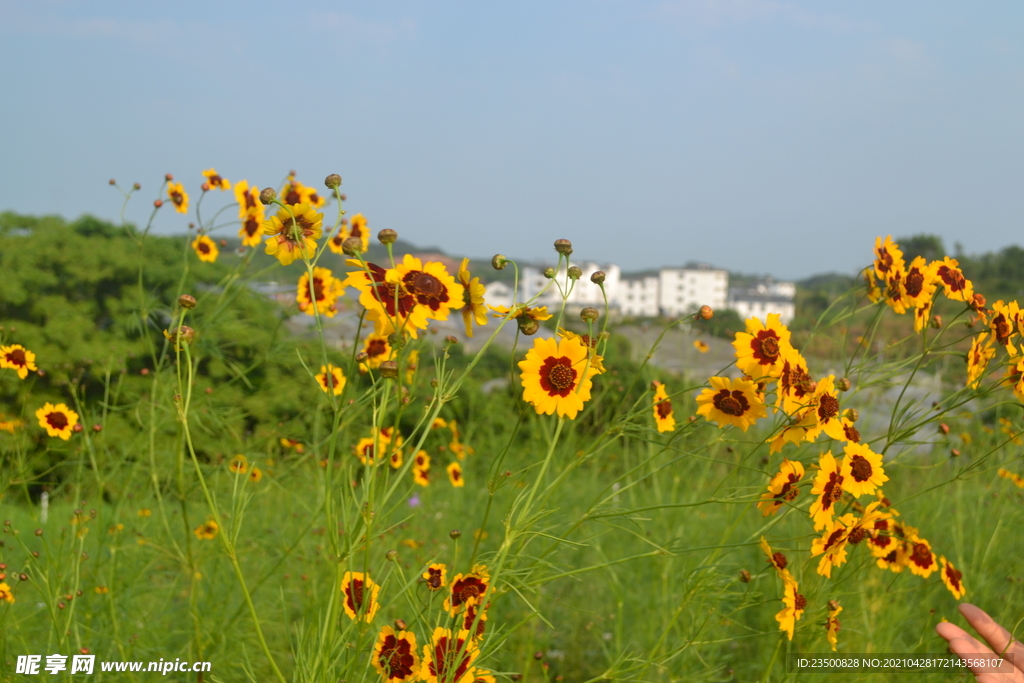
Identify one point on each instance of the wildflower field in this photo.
(185, 473)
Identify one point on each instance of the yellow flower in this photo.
(145, 512)
(596, 361)
(439, 423)
(207, 531)
(832, 625)
(760, 350)
(58, 420)
(921, 560)
(377, 350)
(16, 357)
(795, 604)
(828, 487)
(331, 379)
(251, 213)
(255, 475)
(888, 258)
(395, 657)
(293, 233)
(1012, 476)
(430, 285)
(412, 363)
(556, 376)
(467, 589)
(956, 286)
(733, 402)
(360, 596)
(801, 427)
(449, 658)
(782, 487)
(662, 409)
(919, 283)
(5, 593)
(294, 193)
(205, 248)
(776, 559)
(215, 181)
(826, 408)
(1003, 324)
(421, 469)
(796, 385)
(473, 308)
(982, 351)
(832, 544)
(874, 291)
(389, 306)
(239, 464)
(953, 578)
(436, 576)
(326, 290)
(455, 474)
(862, 470)
(176, 193)
(922, 314)
(701, 346)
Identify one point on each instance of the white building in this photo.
(684, 290)
(498, 294)
(638, 298)
(584, 292)
(767, 296)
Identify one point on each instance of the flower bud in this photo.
(589, 314)
(223, 243)
(137, 186)
(563, 247)
(597, 277)
(352, 246)
(575, 273)
(23, 577)
(343, 196)
(391, 555)
(843, 384)
(498, 262)
(936, 322)
(433, 382)
(187, 301)
(389, 369)
(39, 532)
(387, 236)
(113, 182)
(400, 625)
(452, 339)
(851, 414)
(455, 534)
(744, 576)
(205, 187)
(944, 428)
(168, 177)
(333, 181)
(955, 452)
(77, 428)
(528, 326)
(97, 428)
(978, 302)
(362, 356)
(550, 273)
(157, 203)
(268, 195)
(705, 313)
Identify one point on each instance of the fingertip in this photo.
(949, 631)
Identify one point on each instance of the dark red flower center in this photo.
(828, 408)
(376, 347)
(914, 282)
(833, 490)
(427, 289)
(396, 658)
(953, 278)
(851, 433)
(921, 556)
(354, 594)
(860, 468)
(177, 197)
(779, 560)
(665, 409)
(57, 420)
(446, 664)
(800, 603)
(834, 538)
(17, 357)
(204, 247)
(731, 402)
(557, 376)
(1002, 328)
(766, 347)
(953, 576)
(467, 589)
(434, 580)
(251, 226)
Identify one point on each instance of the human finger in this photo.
(994, 634)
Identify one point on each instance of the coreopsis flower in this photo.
(5, 593)
(467, 589)
(449, 658)
(58, 420)
(337, 242)
(832, 544)
(556, 376)
(421, 469)
(9, 425)
(377, 350)
(760, 350)
(921, 560)
(776, 559)
(239, 464)
(16, 357)
(251, 213)
(803, 426)
(255, 474)
(293, 232)
(850, 431)
(360, 596)
(732, 402)
(796, 385)
(862, 470)
(528, 318)
(475, 621)
(922, 315)
(207, 531)
(596, 361)
(701, 345)
(331, 379)
(982, 351)
(956, 286)
(484, 676)
(473, 307)
(251, 230)
(436, 576)
(380, 444)
(429, 284)
(795, 604)
(326, 290)
(832, 625)
(205, 248)
(662, 408)
(873, 290)
(1003, 324)
(216, 181)
(782, 488)
(357, 229)
(412, 364)
(177, 196)
(888, 257)
(895, 292)
(439, 423)
(1011, 476)
(828, 489)
(294, 193)
(389, 306)
(953, 578)
(826, 408)
(395, 657)
(455, 474)
(459, 449)
(919, 283)
(294, 444)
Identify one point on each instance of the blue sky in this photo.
(759, 135)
